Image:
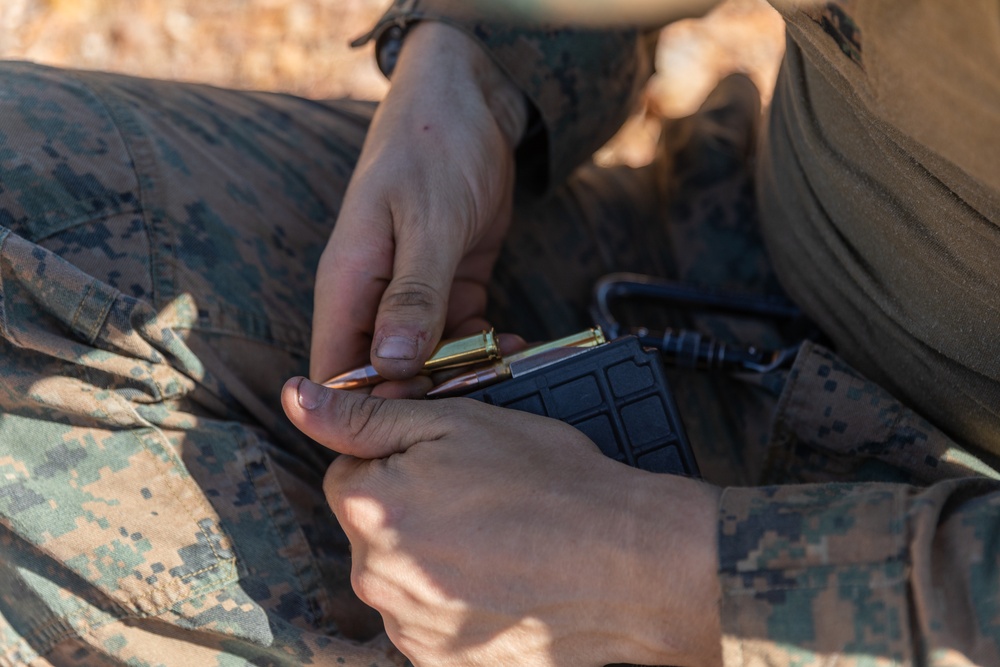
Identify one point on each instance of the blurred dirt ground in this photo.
(301, 47)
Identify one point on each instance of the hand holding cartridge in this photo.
(454, 353)
(467, 352)
(425, 214)
(596, 542)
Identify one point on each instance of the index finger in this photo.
(352, 275)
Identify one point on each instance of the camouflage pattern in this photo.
(155, 508)
(861, 574)
(855, 430)
(157, 249)
(874, 544)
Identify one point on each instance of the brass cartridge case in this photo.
(464, 351)
(588, 338)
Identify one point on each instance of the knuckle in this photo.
(412, 294)
(363, 585)
(362, 515)
(408, 647)
(360, 416)
(331, 487)
(400, 639)
(339, 484)
(458, 414)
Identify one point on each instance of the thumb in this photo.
(413, 308)
(364, 426)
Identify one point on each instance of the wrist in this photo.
(672, 532)
(433, 49)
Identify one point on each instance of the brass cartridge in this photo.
(465, 351)
(500, 370)
(583, 339)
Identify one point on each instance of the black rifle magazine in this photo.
(617, 395)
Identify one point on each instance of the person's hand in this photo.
(488, 540)
(425, 213)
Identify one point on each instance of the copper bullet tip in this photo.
(365, 376)
(467, 382)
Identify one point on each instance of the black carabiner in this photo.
(690, 349)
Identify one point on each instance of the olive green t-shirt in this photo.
(879, 185)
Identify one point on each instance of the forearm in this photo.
(582, 84)
(673, 582)
(439, 55)
(651, 13)
(425, 213)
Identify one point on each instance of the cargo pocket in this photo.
(100, 518)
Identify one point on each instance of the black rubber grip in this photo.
(617, 395)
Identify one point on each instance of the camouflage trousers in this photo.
(157, 248)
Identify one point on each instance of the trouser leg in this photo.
(157, 248)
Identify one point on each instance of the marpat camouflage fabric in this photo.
(147, 515)
(157, 248)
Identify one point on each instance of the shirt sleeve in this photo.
(861, 574)
(899, 565)
(582, 84)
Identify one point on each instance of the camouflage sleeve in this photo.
(582, 84)
(861, 574)
(879, 547)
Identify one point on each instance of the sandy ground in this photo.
(301, 46)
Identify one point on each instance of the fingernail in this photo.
(397, 347)
(311, 395)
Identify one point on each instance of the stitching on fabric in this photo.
(173, 490)
(99, 322)
(892, 581)
(311, 594)
(79, 307)
(4, 328)
(88, 626)
(115, 115)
